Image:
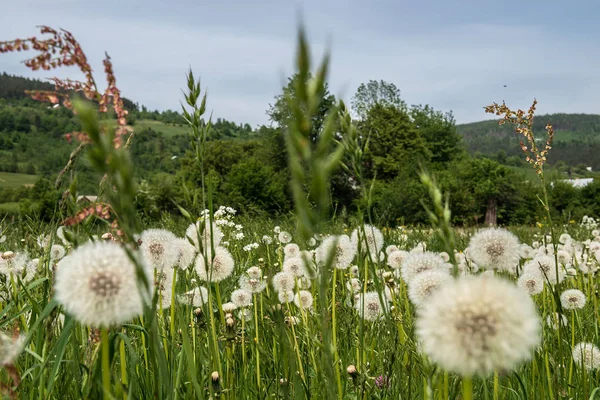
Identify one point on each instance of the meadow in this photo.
(101, 303)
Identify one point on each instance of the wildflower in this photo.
(295, 266)
(10, 348)
(421, 287)
(351, 369)
(564, 238)
(303, 299)
(312, 242)
(525, 251)
(43, 241)
(371, 239)
(218, 269)
(186, 253)
(563, 257)
(245, 314)
(284, 281)
(195, 297)
(291, 250)
(277, 229)
(354, 270)
(164, 285)
(228, 307)
(353, 285)
(239, 236)
(158, 249)
(391, 248)
(286, 296)
(572, 299)
(343, 250)
(284, 237)
(97, 284)
(203, 231)
(416, 263)
(57, 252)
(545, 266)
(12, 263)
(586, 355)
(252, 285)
(533, 283)
(396, 257)
(369, 306)
(267, 239)
(495, 248)
(382, 381)
(488, 325)
(241, 298)
(552, 320)
(254, 272)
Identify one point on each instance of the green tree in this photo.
(372, 93)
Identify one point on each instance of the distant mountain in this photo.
(576, 140)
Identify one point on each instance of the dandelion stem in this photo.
(123, 366)
(105, 363)
(256, 342)
(467, 386)
(173, 303)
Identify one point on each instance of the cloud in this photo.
(243, 54)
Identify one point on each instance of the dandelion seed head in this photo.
(545, 266)
(252, 285)
(202, 229)
(552, 320)
(286, 296)
(495, 248)
(424, 284)
(97, 284)
(295, 266)
(489, 324)
(284, 281)
(395, 258)
(158, 248)
(371, 240)
(219, 269)
(303, 299)
(254, 272)
(195, 297)
(57, 252)
(416, 263)
(572, 299)
(186, 253)
(241, 298)
(284, 237)
(586, 355)
(10, 348)
(228, 307)
(291, 250)
(343, 249)
(369, 306)
(532, 283)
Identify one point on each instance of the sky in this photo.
(455, 56)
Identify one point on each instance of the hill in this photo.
(576, 141)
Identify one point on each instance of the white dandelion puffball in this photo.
(342, 248)
(495, 248)
(526, 251)
(424, 284)
(254, 272)
(163, 282)
(12, 263)
(286, 296)
(97, 284)
(353, 285)
(552, 320)
(586, 355)
(195, 297)
(218, 269)
(291, 250)
(284, 237)
(370, 307)
(572, 299)
(532, 283)
(371, 240)
(202, 230)
(478, 325)
(158, 248)
(546, 267)
(241, 298)
(391, 248)
(295, 266)
(303, 299)
(416, 263)
(252, 285)
(57, 252)
(284, 281)
(396, 257)
(228, 307)
(186, 253)
(10, 348)
(60, 233)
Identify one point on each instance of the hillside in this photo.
(577, 138)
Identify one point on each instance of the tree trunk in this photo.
(491, 213)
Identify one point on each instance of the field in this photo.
(13, 180)
(157, 126)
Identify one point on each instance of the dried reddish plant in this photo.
(61, 49)
(100, 210)
(524, 126)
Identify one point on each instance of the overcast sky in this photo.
(453, 55)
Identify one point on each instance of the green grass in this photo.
(157, 126)
(13, 180)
